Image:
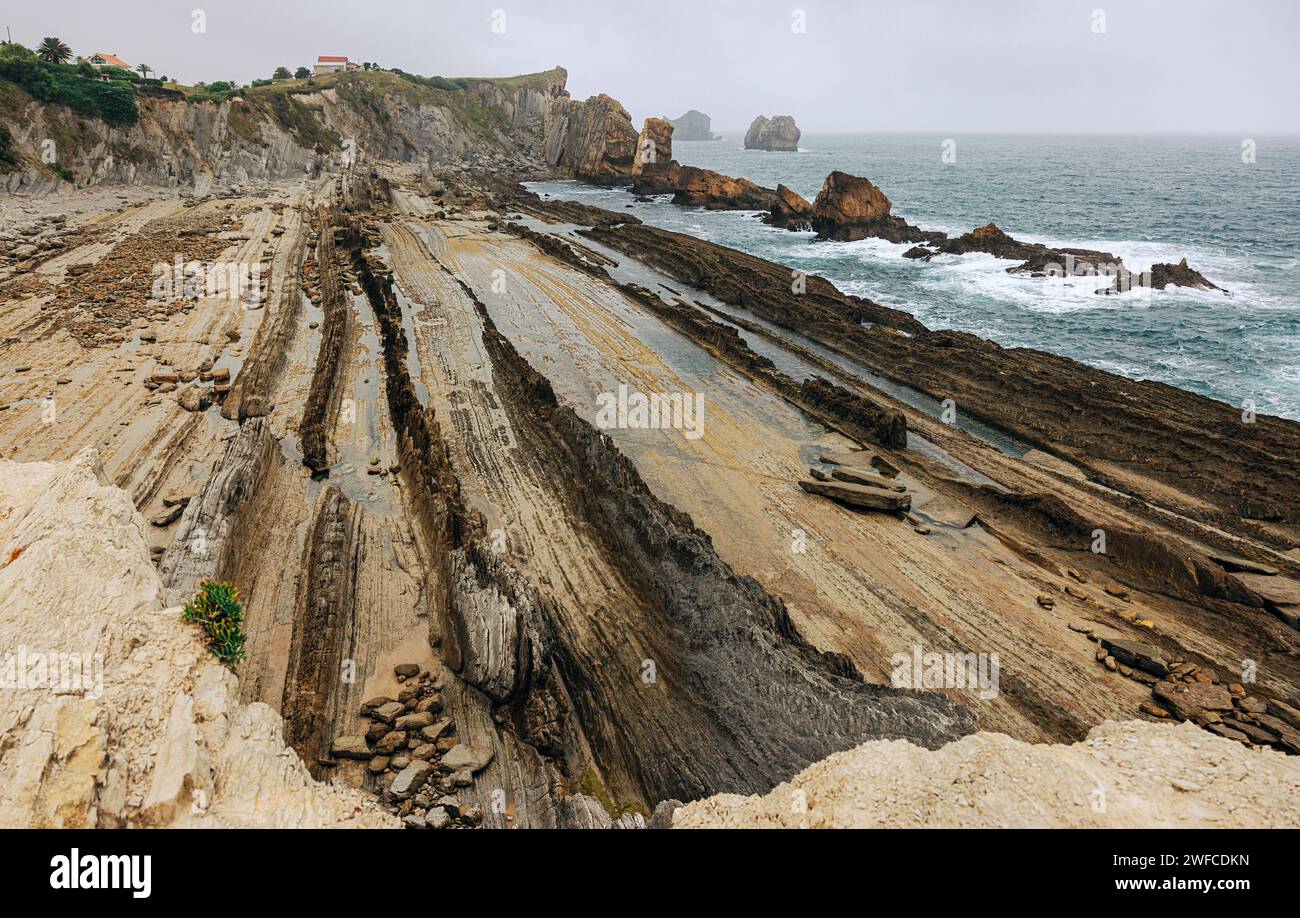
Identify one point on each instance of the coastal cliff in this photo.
(524, 125)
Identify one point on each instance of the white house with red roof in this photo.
(333, 64)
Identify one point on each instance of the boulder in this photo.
(778, 134)
(790, 211)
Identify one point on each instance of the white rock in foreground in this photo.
(152, 732)
(1131, 774)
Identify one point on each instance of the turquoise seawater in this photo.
(1146, 199)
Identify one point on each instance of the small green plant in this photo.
(217, 609)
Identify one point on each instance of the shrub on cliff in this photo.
(217, 609)
(112, 100)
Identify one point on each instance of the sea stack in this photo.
(778, 135)
(655, 171)
(694, 125)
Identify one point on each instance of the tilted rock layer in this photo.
(1124, 775)
(140, 726)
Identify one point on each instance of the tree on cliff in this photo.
(144, 70)
(281, 73)
(301, 73)
(54, 51)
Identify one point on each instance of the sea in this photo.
(1230, 205)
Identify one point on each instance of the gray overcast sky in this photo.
(869, 65)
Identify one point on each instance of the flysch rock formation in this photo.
(115, 714)
(694, 125)
(593, 140)
(1124, 775)
(778, 134)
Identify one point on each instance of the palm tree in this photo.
(54, 51)
(144, 70)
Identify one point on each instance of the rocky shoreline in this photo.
(470, 604)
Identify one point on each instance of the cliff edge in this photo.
(1124, 775)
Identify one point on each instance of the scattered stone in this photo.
(1048, 602)
(389, 711)
(379, 764)
(430, 705)
(391, 742)
(406, 670)
(434, 732)
(438, 818)
(414, 722)
(414, 821)
(377, 731)
(413, 777)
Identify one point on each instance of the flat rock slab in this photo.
(464, 757)
(1138, 655)
(1234, 564)
(949, 511)
(858, 496)
(1188, 699)
(862, 459)
(1281, 591)
(351, 747)
(866, 479)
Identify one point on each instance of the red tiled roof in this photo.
(327, 59)
(112, 59)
